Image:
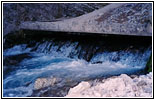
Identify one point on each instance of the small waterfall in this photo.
(133, 56)
(74, 57)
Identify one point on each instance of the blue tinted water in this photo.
(45, 65)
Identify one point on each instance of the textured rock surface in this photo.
(127, 19)
(16, 13)
(121, 86)
(44, 82)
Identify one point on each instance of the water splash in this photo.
(42, 65)
(72, 59)
(18, 49)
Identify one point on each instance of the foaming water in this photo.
(70, 58)
(15, 84)
(20, 82)
(18, 49)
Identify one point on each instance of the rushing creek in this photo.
(72, 58)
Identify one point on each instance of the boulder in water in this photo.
(44, 82)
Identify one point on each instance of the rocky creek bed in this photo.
(115, 86)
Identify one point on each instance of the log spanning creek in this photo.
(67, 59)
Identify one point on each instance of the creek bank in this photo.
(118, 86)
(149, 65)
(115, 18)
(16, 13)
(52, 87)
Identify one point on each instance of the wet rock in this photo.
(44, 82)
(120, 86)
(27, 83)
(10, 62)
(59, 89)
(15, 59)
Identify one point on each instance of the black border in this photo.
(74, 97)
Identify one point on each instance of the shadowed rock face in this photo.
(126, 19)
(16, 13)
